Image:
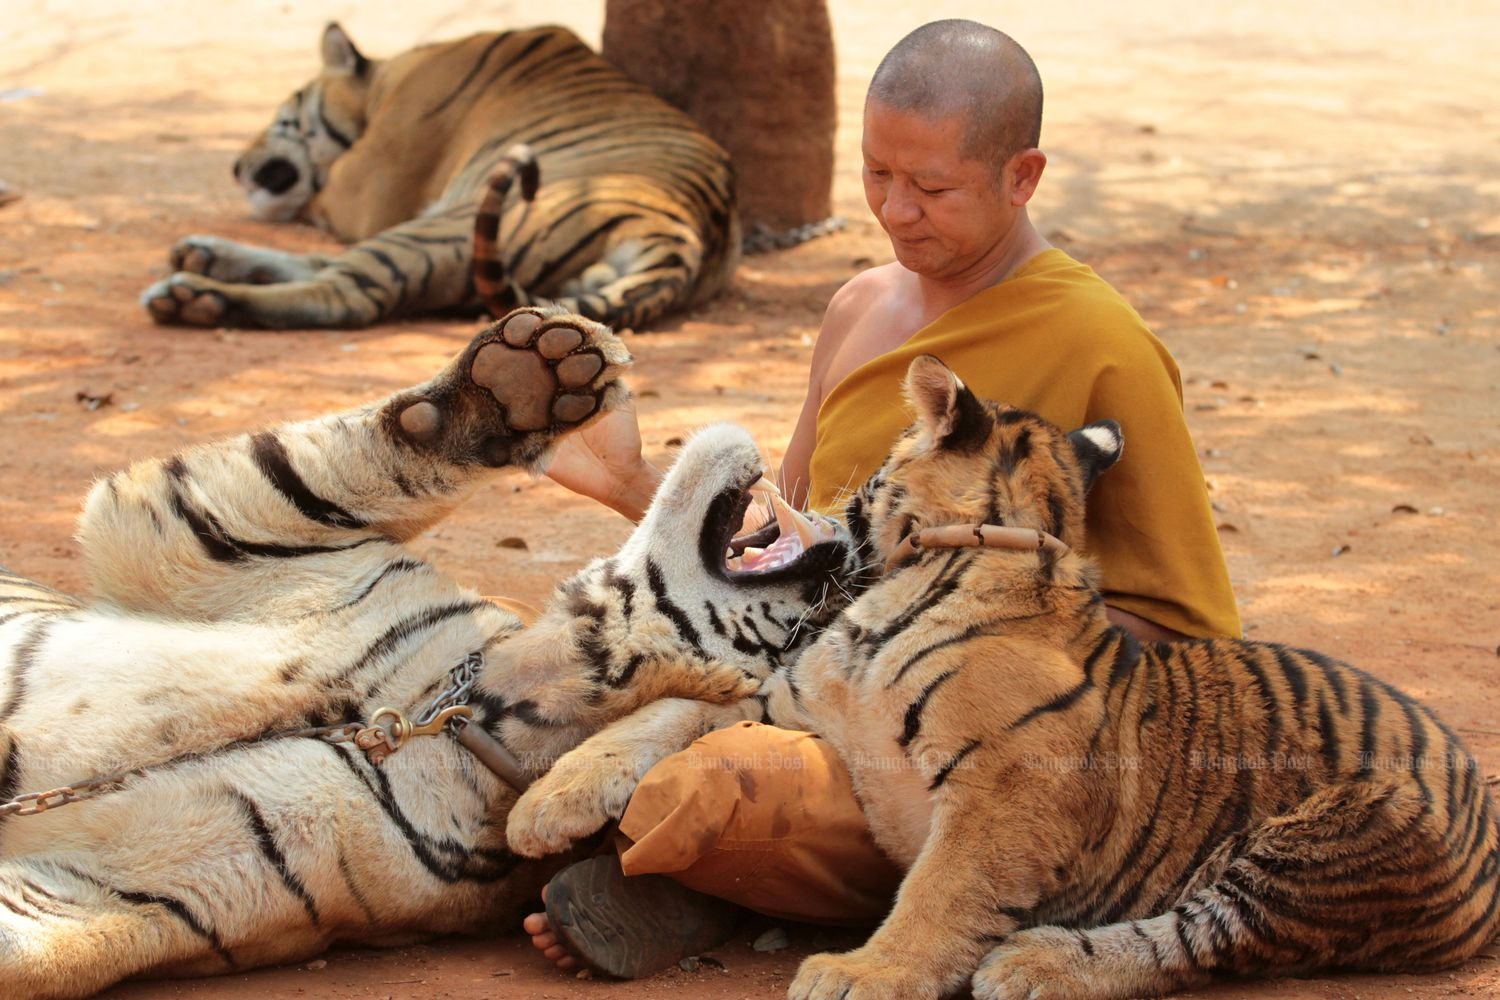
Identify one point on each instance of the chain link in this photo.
(461, 681)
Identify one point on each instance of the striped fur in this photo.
(1085, 816)
(262, 584)
(408, 159)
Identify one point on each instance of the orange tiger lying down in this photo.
(1081, 815)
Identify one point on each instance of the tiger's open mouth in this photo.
(791, 545)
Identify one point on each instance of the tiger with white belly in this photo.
(254, 597)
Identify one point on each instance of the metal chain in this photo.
(461, 681)
(378, 742)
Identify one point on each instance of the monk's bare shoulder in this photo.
(858, 324)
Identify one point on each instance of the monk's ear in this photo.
(339, 53)
(949, 415)
(1098, 446)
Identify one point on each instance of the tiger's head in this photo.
(287, 164)
(970, 461)
(769, 590)
(681, 610)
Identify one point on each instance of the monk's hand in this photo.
(603, 462)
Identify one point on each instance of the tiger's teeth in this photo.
(752, 551)
(793, 522)
(765, 487)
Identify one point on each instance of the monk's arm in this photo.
(1140, 628)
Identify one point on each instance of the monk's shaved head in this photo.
(958, 67)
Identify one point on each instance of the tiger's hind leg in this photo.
(320, 504)
(63, 934)
(1366, 874)
(422, 265)
(226, 260)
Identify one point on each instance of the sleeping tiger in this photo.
(411, 159)
(1083, 816)
(254, 596)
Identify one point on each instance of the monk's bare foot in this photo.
(546, 942)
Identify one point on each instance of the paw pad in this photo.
(541, 370)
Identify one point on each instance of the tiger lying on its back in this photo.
(1082, 815)
(634, 216)
(260, 585)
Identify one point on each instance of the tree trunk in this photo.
(759, 76)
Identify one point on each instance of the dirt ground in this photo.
(1303, 200)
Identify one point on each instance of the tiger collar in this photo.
(962, 536)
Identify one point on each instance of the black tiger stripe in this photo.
(1060, 703)
(943, 586)
(561, 259)
(1296, 679)
(265, 841)
(913, 721)
(444, 858)
(669, 609)
(218, 544)
(355, 893)
(404, 629)
(335, 133)
(275, 463)
(952, 763)
(627, 673)
(1188, 953)
(717, 624)
(405, 564)
(1370, 714)
(21, 664)
(180, 910)
(926, 651)
(484, 56)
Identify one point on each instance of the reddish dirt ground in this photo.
(1301, 199)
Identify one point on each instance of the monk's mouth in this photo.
(791, 545)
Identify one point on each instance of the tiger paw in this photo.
(858, 975)
(573, 800)
(1040, 963)
(186, 298)
(524, 380)
(197, 255)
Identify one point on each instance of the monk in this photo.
(952, 124)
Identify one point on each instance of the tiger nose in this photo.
(275, 175)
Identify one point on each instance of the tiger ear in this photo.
(1098, 447)
(339, 52)
(949, 414)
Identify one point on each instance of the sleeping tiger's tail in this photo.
(492, 283)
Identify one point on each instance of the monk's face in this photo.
(945, 215)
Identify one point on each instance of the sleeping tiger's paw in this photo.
(859, 975)
(524, 380)
(186, 298)
(1040, 963)
(206, 255)
(570, 802)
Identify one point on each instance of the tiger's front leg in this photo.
(592, 783)
(992, 851)
(237, 263)
(422, 265)
(323, 504)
